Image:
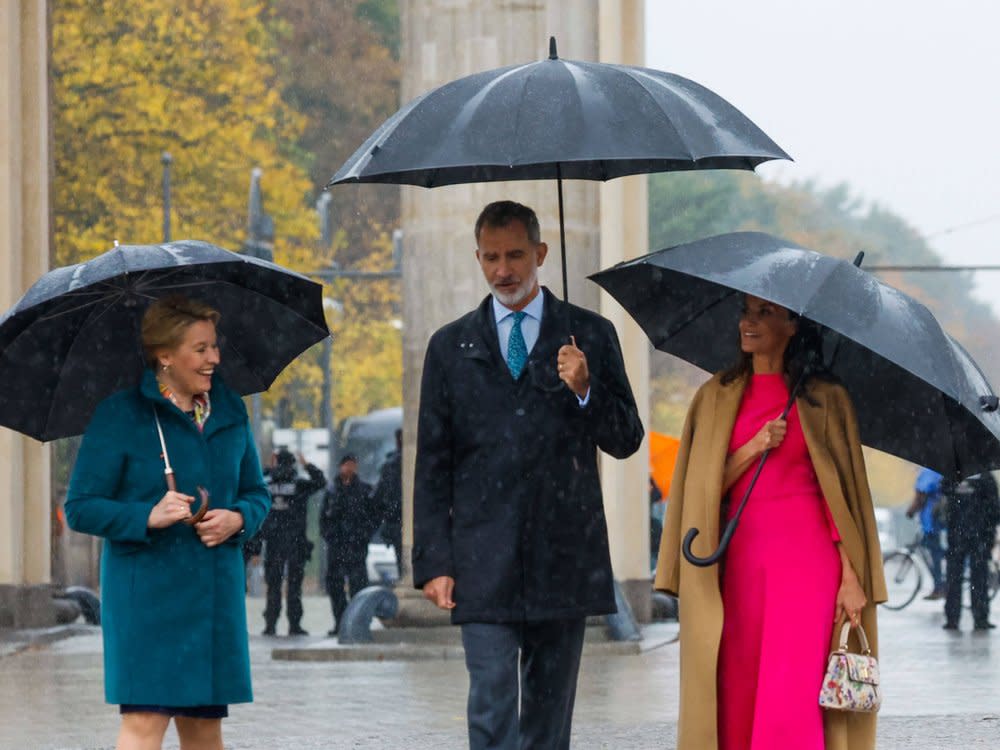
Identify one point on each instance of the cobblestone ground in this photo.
(942, 690)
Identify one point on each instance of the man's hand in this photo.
(573, 368)
(439, 591)
(218, 525)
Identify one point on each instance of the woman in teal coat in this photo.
(172, 585)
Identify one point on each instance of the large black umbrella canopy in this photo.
(918, 394)
(558, 119)
(74, 337)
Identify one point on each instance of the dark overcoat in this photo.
(507, 497)
(173, 610)
(349, 519)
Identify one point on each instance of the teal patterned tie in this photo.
(517, 351)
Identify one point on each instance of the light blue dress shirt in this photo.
(531, 325)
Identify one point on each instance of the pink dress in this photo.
(779, 587)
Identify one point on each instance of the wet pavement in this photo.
(942, 690)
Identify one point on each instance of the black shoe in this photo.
(297, 630)
(984, 625)
(950, 626)
(269, 630)
(332, 633)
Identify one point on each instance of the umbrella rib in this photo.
(701, 311)
(90, 319)
(640, 80)
(260, 381)
(67, 311)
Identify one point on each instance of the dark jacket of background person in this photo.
(389, 499)
(173, 610)
(972, 507)
(348, 519)
(285, 525)
(507, 496)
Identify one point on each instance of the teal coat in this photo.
(173, 610)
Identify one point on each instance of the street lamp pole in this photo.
(166, 159)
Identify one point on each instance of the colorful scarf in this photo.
(202, 405)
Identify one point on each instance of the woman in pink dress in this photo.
(763, 620)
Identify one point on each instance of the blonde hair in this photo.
(166, 320)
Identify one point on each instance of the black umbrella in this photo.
(73, 338)
(558, 119)
(917, 392)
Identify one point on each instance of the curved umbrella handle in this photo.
(712, 559)
(200, 513)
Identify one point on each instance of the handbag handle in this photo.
(845, 632)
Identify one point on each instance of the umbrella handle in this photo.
(202, 509)
(712, 559)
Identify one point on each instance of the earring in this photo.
(166, 368)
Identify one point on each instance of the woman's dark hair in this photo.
(803, 354)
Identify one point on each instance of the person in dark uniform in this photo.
(347, 522)
(973, 511)
(286, 545)
(389, 500)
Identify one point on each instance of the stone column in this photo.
(624, 235)
(25, 504)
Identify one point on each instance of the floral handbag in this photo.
(851, 680)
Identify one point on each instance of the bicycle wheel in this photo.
(902, 579)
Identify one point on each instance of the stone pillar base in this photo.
(27, 606)
(415, 611)
(639, 594)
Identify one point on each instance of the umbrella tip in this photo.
(116, 243)
(859, 258)
(552, 49)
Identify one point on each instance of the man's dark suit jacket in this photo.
(507, 497)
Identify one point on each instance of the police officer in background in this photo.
(347, 522)
(284, 536)
(973, 512)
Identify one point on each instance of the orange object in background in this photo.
(662, 456)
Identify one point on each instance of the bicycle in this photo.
(904, 575)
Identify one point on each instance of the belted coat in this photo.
(507, 497)
(831, 433)
(173, 610)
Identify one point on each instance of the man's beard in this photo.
(512, 299)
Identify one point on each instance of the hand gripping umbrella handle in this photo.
(727, 534)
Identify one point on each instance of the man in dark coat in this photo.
(284, 537)
(347, 522)
(973, 512)
(389, 499)
(509, 529)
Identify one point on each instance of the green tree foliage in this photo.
(338, 67)
(688, 206)
(131, 80)
(291, 86)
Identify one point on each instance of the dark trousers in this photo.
(976, 548)
(932, 542)
(276, 559)
(543, 660)
(337, 569)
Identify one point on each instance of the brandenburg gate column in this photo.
(25, 504)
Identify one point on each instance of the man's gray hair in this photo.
(501, 213)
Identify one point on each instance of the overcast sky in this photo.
(899, 99)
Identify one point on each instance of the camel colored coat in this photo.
(831, 433)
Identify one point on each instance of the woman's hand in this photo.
(770, 435)
(737, 462)
(173, 507)
(850, 598)
(218, 525)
